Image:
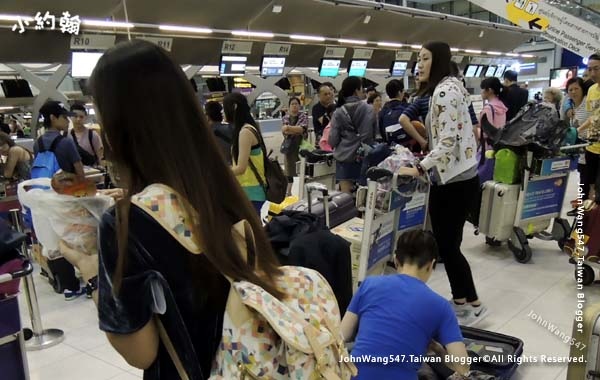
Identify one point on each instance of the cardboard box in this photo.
(352, 232)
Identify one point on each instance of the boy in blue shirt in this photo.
(397, 316)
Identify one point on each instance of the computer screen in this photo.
(500, 71)
(233, 65)
(471, 70)
(399, 68)
(491, 71)
(83, 63)
(358, 68)
(272, 66)
(479, 71)
(330, 67)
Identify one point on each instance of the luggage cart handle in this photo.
(25, 271)
(316, 155)
(376, 174)
(569, 147)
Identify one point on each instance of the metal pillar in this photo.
(41, 338)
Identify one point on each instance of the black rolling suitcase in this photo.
(339, 206)
(502, 353)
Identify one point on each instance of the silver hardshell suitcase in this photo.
(498, 210)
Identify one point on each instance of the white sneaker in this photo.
(473, 315)
(461, 311)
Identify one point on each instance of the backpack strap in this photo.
(260, 180)
(90, 138)
(42, 148)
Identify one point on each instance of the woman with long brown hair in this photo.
(18, 159)
(173, 226)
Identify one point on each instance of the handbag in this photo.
(291, 143)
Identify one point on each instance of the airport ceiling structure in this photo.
(366, 24)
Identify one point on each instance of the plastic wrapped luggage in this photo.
(586, 343)
(341, 207)
(498, 210)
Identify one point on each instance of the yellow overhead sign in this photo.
(524, 13)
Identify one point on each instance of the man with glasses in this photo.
(592, 155)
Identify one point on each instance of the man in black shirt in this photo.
(517, 97)
(319, 111)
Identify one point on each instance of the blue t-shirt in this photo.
(65, 152)
(399, 315)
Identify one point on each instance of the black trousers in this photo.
(592, 174)
(64, 271)
(448, 208)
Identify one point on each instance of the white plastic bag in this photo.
(55, 216)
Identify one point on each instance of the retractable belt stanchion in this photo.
(41, 338)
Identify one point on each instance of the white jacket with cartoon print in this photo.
(452, 140)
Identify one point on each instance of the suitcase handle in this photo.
(25, 271)
(312, 187)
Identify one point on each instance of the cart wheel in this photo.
(523, 253)
(57, 286)
(492, 242)
(588, 275)
(563, 236)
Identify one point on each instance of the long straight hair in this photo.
(237, 112)
(169, 142)
(441, 57)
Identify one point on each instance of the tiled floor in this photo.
(511, 290)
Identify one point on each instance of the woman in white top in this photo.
(453, 167)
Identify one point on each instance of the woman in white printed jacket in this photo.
(453, 169)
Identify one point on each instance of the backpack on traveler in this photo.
(87, 158)
(297, 337)
(45, 164)
(275, 181)
(390, 114)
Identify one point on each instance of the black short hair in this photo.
(579, 82)
(296, 99)
(78, 107)
(416, 247)
(394, 88)
(331, 108)
(594, 57)
(214, 111)
(371, 88)
(511, 75)
(372, 97)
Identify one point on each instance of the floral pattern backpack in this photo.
(295, 338)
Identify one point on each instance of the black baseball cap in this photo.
(55, 108)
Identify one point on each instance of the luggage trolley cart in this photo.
(13, 359)
(388, 214)
(540, 201)
(316, 166)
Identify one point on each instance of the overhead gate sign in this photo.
(557, 26)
